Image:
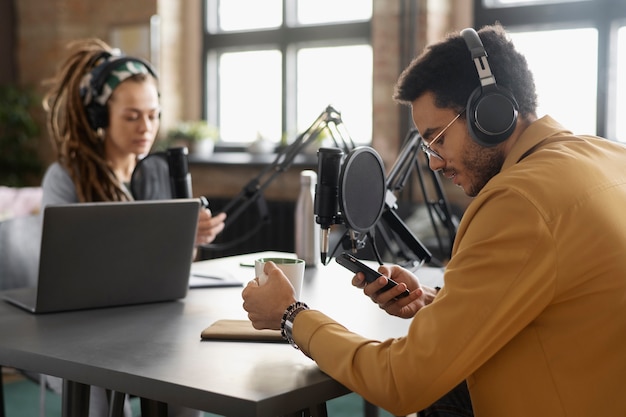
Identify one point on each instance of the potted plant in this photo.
(198, 135)
(20, 164)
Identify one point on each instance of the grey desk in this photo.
(154, 351)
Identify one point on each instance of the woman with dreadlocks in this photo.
(103, 115)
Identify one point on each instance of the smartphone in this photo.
(353, 264)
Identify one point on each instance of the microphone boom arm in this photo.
(396, 180)
(329, 119)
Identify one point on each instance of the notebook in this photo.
(110, 254)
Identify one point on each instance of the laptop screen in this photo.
(110, 254)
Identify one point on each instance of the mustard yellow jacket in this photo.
(533, 311)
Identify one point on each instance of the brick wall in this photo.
(45, 28)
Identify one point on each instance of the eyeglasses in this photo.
(427, 147)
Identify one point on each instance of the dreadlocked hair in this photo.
(79, 149)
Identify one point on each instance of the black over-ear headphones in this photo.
(491, 110)
(98, 114)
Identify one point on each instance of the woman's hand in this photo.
(209, 226)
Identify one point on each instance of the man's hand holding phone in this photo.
(353, 264)
(399, 292)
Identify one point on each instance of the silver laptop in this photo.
(111, 254)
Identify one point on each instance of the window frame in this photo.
(287, 39)
(603, 15)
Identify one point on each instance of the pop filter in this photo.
(361, 190)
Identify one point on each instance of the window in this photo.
(249, 94)
(355, 103)
(273, 66)
(512, 3)
(577, 52)
(567, 95)
(620, 99)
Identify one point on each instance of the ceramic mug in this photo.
(292, 268)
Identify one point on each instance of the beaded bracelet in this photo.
(286, 324)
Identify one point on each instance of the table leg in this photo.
(318, 410)
(74, 399)
(153, 408)
(1, 393)
(116, 403)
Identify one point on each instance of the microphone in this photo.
(326, 190)
(180, 178)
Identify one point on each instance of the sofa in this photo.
(20, 236)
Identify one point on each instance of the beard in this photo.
(484, 163)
